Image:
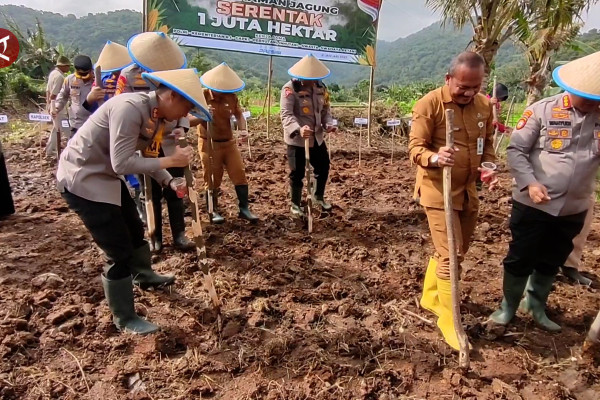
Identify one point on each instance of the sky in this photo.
(399, 18)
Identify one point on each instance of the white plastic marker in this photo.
(3, 119)
(247, 114)
(360, 122)
(334, 122)
(40, 117)
(65, 123)
(394, 123)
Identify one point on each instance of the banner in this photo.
(332, 30)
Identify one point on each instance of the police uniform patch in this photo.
(557, 144)
(566, 101)
(565, 133)
(597, 134)
(527, 114)
(306, 110)
(553, 132)
(522, 122)
(561, 115)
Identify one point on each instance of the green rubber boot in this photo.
(513, 287)
(537, 292)
(119, 294)
(141, 270)
(320, 200)
(296, 194)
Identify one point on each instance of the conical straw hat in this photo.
(580, 77)
(114, 57)
(155, 51)
(185, 82)
(222, 79)
(309, 68)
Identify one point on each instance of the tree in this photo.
(493, 23)
(542, 29)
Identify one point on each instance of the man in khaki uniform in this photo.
(306, 114)
(220, 149)
(75, 90)
(473, 145)
(554, 154)
(90, 180)
(55, 83)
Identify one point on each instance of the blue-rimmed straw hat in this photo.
(580, 77)
(222, 79)
(155, 51)
(114, 57)
(309, 68)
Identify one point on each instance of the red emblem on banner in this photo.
(9, 48)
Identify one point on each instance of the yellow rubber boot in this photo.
(445, 321)
(429, 298)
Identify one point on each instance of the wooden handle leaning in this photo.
(454, 276)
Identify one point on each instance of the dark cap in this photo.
(501, 92)
(83, 63)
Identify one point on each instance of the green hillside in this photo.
(422, 56)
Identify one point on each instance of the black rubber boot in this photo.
(242, 194)
(119, 295)
(318, 196)
(574, 275)
(156, 243)
(296, 195)
(513, 287)
(176, 220)
(215, 217)
(141, 269)
(537, 292)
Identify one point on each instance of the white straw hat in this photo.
(580, 77)
(114, 57)
(222, 79)
(185, 82)
(155, 51)
(309, 68)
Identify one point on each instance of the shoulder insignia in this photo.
(566, 102)
(523, 121)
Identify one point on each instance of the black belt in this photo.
(218, 141)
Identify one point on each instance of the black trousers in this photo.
(7, 207)
(319, 159)
(540, 241)
(116, 230)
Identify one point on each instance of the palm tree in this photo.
(493, 23)
(543, 27)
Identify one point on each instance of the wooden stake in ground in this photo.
(454, 277)
(149, 205)
(309, 187)
(209, 284)
(495, 111)
(58, 126)
(269, 84)
(211, 178)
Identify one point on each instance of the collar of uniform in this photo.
(565, 101)
(446, 97)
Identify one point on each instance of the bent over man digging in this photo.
(306, 113)
(473, 145)
(89, 178)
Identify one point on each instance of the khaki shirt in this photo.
(303, 107)
(559, 147)
(105, 147)
(75, 90)
(228, 106)
(55, 82)
(473, 123)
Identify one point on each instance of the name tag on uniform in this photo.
(480, 142)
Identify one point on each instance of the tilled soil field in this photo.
(332, 315)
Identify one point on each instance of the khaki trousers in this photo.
(225, 156)
(464, 226)
(574, 259)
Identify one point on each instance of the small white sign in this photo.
(334, 122)
(3, 119)
(65, 123)
(247, 114)
(40, 117)
(393, 122)
(361, 121)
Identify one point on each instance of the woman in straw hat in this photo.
(305, 113)
(219, 150)
(89, 180)
(113, 58)
(151, 52)
(554, 154)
